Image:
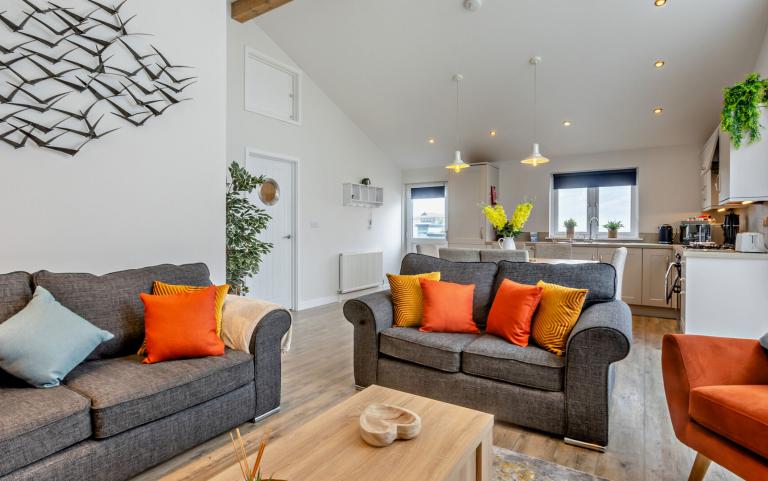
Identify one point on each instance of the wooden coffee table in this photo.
(455, 444)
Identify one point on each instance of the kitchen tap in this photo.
(593, 234)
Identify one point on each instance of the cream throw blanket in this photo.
(240, 317)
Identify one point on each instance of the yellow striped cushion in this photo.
(558, 312)
(163, 289)
(407, 298)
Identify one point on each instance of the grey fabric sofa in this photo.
(114, 417)
(568, 396)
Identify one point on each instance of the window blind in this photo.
(597, 178)
(435, 192)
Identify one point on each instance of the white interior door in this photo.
(275, 281)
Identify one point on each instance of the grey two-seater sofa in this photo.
(568, 396)
(114, 417)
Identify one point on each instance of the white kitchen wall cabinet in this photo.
(467, 192)
(743, 172)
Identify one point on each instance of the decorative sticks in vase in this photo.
(241, 454)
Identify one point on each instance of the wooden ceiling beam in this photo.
(244, 10)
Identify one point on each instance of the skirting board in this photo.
(324, 301)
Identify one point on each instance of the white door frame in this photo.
(294, 161)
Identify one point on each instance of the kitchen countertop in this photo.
(603, 243)
(724, 254)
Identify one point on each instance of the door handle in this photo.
(289, 236)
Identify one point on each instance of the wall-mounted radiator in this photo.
(360, 271)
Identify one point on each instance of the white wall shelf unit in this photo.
(359, 195)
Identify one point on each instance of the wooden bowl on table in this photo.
(381, 424)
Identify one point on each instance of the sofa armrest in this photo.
(689, 361)
(369, 315)
(602, 336)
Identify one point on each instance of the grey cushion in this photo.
(459, 255)
(432, 349)
(481, 274)
(125, 393)
(598, 278)
(35, 423)
(15, 293)
(495, 358)
(111, 302)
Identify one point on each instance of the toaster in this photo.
(750, 242)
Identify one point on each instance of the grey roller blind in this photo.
(597, 178)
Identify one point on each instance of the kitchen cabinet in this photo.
(743, 172)
(632, 280)
(467, 190)
(655, 264)
(584, 253)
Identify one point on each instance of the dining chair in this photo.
(554, 251)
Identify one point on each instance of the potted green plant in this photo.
(613, 227)
(743, 105)
(245, 222)
(570, 227)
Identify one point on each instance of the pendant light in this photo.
(535, 158)
(457, 165)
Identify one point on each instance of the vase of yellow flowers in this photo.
(507, 229)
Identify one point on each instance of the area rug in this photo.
(511, 466)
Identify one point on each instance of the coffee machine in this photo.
(730, 229)
(695, 232)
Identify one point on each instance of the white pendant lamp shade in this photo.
(458, 164)
(535, 158)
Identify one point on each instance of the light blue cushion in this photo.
(44, 341)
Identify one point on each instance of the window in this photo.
(600, 196)
(426, 214)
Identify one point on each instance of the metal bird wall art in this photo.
(70, 74)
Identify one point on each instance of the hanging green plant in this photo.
(741, 109)
(245, 222)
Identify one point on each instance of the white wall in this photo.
(139, 196)
(332, 150)
(668, 186)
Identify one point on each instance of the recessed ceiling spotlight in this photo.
(660, 3)
(473, 5)
(431, 140)
(658, 110)
(567, 123)
(659, 63)
(747, 202)
(492, 133)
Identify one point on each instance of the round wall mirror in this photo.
(269, 193)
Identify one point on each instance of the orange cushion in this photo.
(163, 289)
(738, 413)
(447, 307)
(181, 326)
(407, 298)
(512, 311)
(559, 311)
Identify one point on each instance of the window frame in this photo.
(409, 239)
(593, 210)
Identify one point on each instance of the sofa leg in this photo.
(700, 467)
(266, 415)
(584, 444)
(359, 387)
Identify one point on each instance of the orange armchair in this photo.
(717, 393)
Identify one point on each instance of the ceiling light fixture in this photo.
(535, 158)
(660, 3)
(658, 110)
(659, 63)
(747, 202)
(431, 140)
(493, 133)
(567, 123)
(457, 165)
(722, 209)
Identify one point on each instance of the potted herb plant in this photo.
(743, 107)
(570, 227)
(613, 227)
(507, 229)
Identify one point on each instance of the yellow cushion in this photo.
(558, 312)
(407, 297)
(163, 289)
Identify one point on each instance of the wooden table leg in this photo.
(484, 457)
